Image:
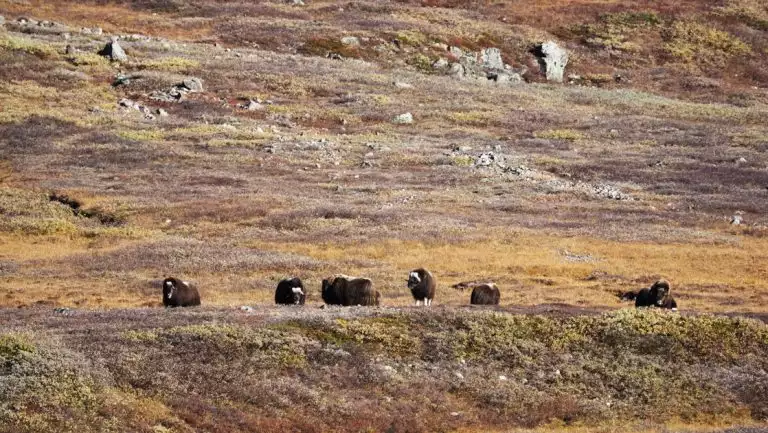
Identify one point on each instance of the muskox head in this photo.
(170, 287)
(659, 292)
(298, 293)
(326, 285)
(413, 279)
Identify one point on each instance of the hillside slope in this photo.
(356, 369)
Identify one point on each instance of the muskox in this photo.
(626, 296)
(346, 291)
(290, 291)
(658, 295)
(422, 285)
(177, 293)
(485, 294)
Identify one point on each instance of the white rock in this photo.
(403, 119)
(552, 59)
(350, 40)
(491, 58)
(254, 106)
(440, 64)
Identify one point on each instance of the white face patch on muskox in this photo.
(413, 278)
(297, 291)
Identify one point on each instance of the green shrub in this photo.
(697, 43)
(560, 134)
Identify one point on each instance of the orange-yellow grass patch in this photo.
(533, 269)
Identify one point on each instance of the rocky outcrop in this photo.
(31, 25)
(494, 163)
(552, 59)
(178, 91)
(486, 64)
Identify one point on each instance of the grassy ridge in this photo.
(352, 370)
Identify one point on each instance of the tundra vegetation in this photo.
(287, 162)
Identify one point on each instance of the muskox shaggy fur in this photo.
(658, 295)
(485, 294)
(290, 291)
(177, 293)
(627, 296)
(422, 285)
(346, 291)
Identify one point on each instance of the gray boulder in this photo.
(552, 59)
(179, 91)
(456, 71)
(490, 58)
(2, 20)
(113, 51)
(193, 84)
(440, 64)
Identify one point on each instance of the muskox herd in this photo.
(348, 291)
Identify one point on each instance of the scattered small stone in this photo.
(162, 113)
(246, 308)
(62, 310)
(489, 159)
(736, 219)
(458, 375)
(455, 413)
(254, 106)
(350, 41)
(440, 64)
(69, 50)
(402, 85)
(179, 91)
(403, 119)
(2, 20)
(741, 160)
(127, 103)
(295, 2)
(502, 378)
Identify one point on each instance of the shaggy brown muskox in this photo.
(422, 285)
(290, 291)
(485, 294)
(658, 295)
(177, 293)
(346, 291)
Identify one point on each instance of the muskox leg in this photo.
(429, 302)
(417, 302)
